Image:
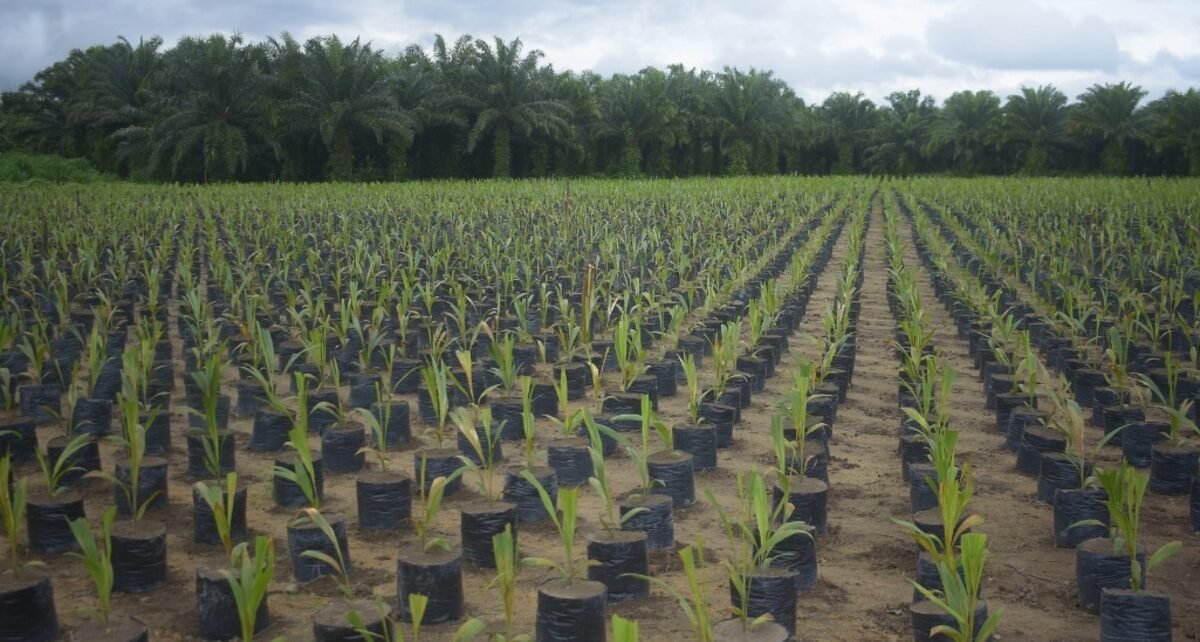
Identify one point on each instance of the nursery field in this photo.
(601, 410)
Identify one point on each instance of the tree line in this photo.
(220, 108)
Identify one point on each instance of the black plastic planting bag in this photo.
(152, 485)
(1138, 438)
(27, 608)
(398, 430)
(645, 385)
(1098, 568)
(1036, 442)
(216, 608)
(250, 397)
(545, 400)
(92, 416)
(1072, 506)
(623, 404)
(914, 449)
(571, 461)
(578, 378)
(158, 433)
(617, 556)
(438, 576)
(721, 418)
(197, 453)
(664, 372)
(139, 556)
(1021, 418)
(478, 523)
(571, 613)
(384, 500)
(47, 521)
(608, 443)
(771, 591)
(1059, 472)
(798, 555)
(926, 615)
(84, 460)
(341, 448)
(507, 417)
(1128, 616)
(270, 430)
(204, 528)
(1172, 469)
(699, 441)
(921, 482)
(286, 492)
(1006, 403)
(40, 402)
(200, 421)
(674, 476)
(303, 535)
(1194, 505)
(526, 497)
(18, 438)
(362, 390)
(438, 462)
(654, 519)
(810, 499)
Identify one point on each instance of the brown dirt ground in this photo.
(862, 593)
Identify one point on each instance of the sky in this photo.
(816, 46)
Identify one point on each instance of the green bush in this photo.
(17, 167)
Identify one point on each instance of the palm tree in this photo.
(422, 93)
(637, 112)
(510, 101)
(342, 97)
(1109, 115)
(847, 118)
(216, 116)
(751, 108)
(693, 95)
(580, 93)
(37, 114)
(116, 99)
(902, 133)
(1036, 120)
(1177, 126)
(967, 128)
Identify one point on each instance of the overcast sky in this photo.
(817, 46)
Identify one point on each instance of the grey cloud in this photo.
(1023, 35)
(1186, 66)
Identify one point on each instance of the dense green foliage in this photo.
(218, 108)
(16, 167)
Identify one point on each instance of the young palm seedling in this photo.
(695, 604)
(504, 552)
(565, 603)
(959, 596)
(760, 592)
(337, 563)
(222, 503)
(303, 473)
(249, 580)
(96, 554)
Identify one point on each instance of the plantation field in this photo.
(674, 355)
